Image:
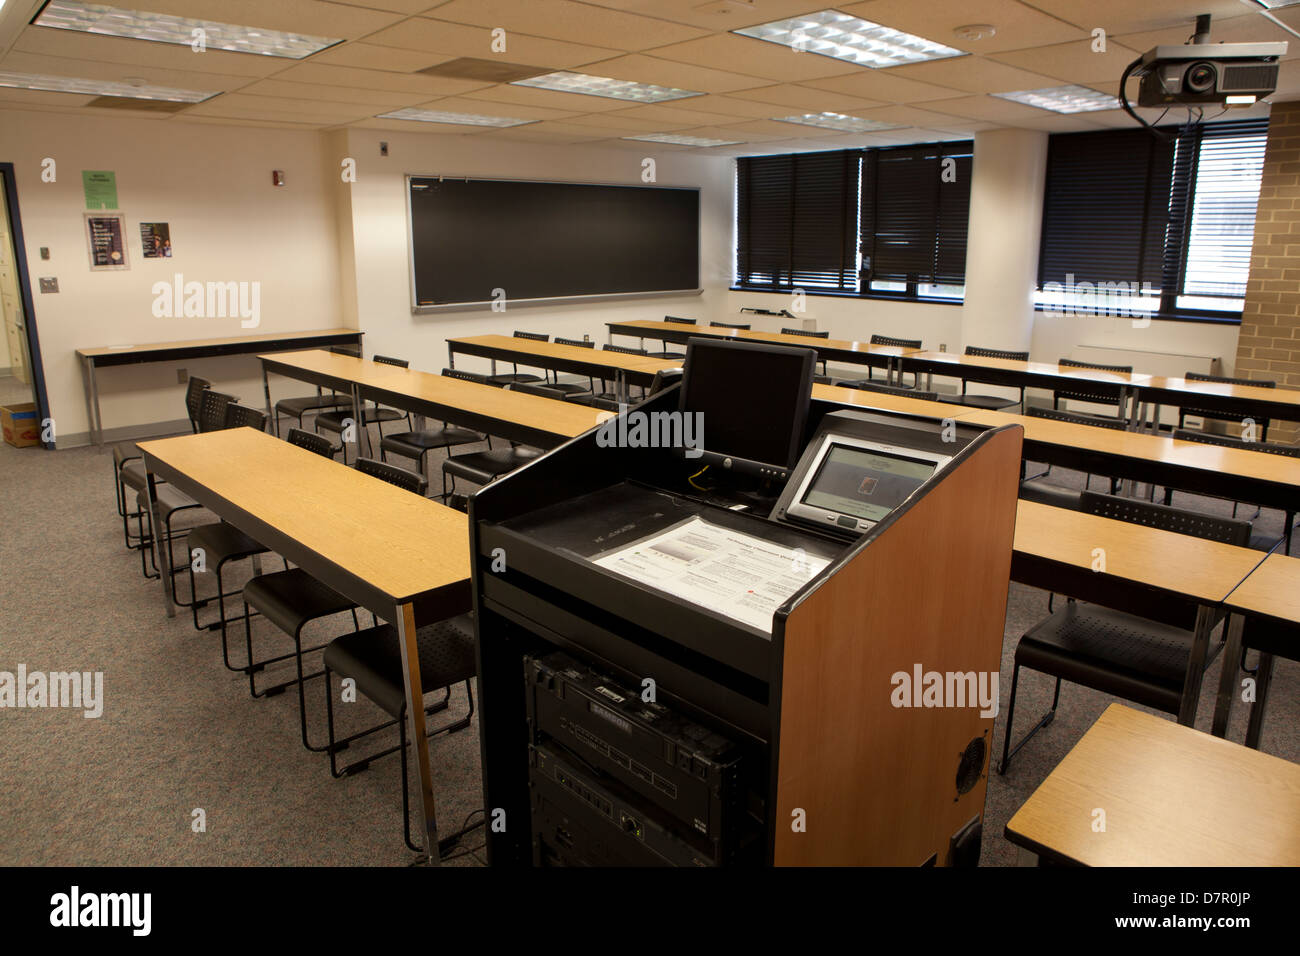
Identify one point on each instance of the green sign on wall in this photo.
(100, 186)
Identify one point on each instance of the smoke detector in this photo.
(975, 31)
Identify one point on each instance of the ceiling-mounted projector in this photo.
(1201, 72)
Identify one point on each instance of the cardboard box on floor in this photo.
(19, 424)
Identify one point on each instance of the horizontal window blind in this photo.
(796, 219)
(915, 212)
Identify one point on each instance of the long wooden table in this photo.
(110, 355)
(514, 416)
(1269, 603)
(1057, 549)
(625, 369)
(1172, 796)
(848, 352)
(399, 555)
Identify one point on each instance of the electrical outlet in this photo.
(45, 252)
(49, 284)
(182, 376)
(943, 346)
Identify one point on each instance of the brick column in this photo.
(1269, 344)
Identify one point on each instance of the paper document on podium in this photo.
(732, 573)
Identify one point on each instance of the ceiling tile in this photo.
(549, 99)
(885, 85)
(715, 15)
(1073, 62)
(346, 76)
(760, 58)
(569, 21)
(240, 104)
(807, 99)
(409, 7)
(1133, 16)
(975, 74)
(372, 56)
(672, 113)
(379, 99)
(18, 61)
(456, 39)
(1017, 24)
(991, 109)
(142, 54)
(682, 76)
(459, 104)
(1247, 29)
(314, 17)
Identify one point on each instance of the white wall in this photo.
(379, 236)
(228, 223)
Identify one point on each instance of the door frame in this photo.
(25, 291)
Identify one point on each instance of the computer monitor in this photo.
(753, 401)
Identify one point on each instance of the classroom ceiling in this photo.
(396, 54)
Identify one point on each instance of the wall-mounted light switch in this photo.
(45, 252)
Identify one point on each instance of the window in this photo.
(889, 222)
(1138, 225)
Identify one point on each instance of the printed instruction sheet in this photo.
(735, 574)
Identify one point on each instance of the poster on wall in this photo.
(100, 187)
(156, 238)
(106, 235)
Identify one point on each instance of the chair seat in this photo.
(1055, 495)
(223, 542)
(606, 400)
(991, 402)
(482, 466)
(125, 452)
(373, 659)
(415, 444)
(168, 499)
(291, 598)
(1110, 651)
(666, 355)
(513, 378)
(308, 403)
(133, 474)
(569, 388)
(333, 421)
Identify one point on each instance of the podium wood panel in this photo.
(878, 782)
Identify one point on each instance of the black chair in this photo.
(320, 402)
(417, 445)
(1185, 410)
(373, 659)
(898, 344)
(605, 395)
(482, 467)
(336, 422)
(728, 325)
(515, 375)
(809, 334)
(240, 416)
(317, 444)
(409, 480)
(1096, 393)
(1075, 418)
(864, 385)
(993, 402)
(1140, 657)
(571, 388)
(668, 353)
(1269, 448)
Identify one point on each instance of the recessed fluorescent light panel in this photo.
(69, 84)
(565, 82)
(1063, 99)
(165, 28)
(838, 121)
(675, 140)
(843, 37)
(459, 119)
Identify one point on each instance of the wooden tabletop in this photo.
(399, 543)
(1044, 369)
(1144, 446)
(1272, 590)
(214, 343)
(1172, 796)
(894, 403)
(531, 348)
(1196, 568)
(1254, 393)
(564, 419)
(651, 327)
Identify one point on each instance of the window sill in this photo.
(1213, 318)
(880, 296)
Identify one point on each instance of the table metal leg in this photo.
(86, 373)
(409, 645)
(451, 356)
(97, 424)
(1196, 665)
(620, 388)
(1228, 683)
(1263, 677)
(155, 532)
(266, 390)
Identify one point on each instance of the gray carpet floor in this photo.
(180, 733)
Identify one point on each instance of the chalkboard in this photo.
(544, 240)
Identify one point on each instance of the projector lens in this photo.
(1200, 78)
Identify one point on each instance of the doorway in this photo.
(22, 379)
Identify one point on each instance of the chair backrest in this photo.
(808, 333)
(1228, 380)
(580, 343)
(868, 386)
(626, 349)
(194, 398)
(237, 416)
(212, 410)
(393, 475)
(897, 343)
(727, 325)
(528, 388)
(1075, 363)
(679, 321)
(664, 378)
(389, 360)
(997, 353)
(1101, 421)
(1268, 447)
(1166, 518)
(535, 336)
(311, 441)
(465, 376)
